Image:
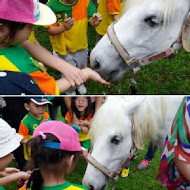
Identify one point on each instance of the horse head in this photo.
(112, 139)
(147, 28)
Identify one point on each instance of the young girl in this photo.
(15, 28)
(55, 149)
(82, 114)
(9, 141)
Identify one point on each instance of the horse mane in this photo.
(166, 7)
(147, 122)
(147, 119)
(101, 117)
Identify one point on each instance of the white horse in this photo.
(124, 122)
(148, 30)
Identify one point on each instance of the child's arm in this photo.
(71, 73)
(64, 84)
(14, 177)
(8, 171)
(68, 24)
(96, 19)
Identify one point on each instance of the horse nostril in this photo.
(96, 65)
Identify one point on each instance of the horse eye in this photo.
(151, 21)
(115, 140)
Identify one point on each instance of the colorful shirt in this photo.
(18, 59)
(177, 144)
(66, 186)
(82, 136)
(74, 39)
(108, 8)
(27, 127)
(2, 188)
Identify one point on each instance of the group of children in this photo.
(47, 144)
(16, 27)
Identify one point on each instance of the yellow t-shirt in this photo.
(108, 8)
(74, 39)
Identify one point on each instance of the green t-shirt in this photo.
(66, 186)
(17, 59)
(2, 188)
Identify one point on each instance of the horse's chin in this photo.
(103, 188)
(112, 78)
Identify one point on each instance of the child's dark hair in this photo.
(47, 160)
(87, 111)
(13, 28)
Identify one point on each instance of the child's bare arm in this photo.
(71, 73)
(67, 25)
(64, 84)
(13, 177)
(8, 171)
(116, 17)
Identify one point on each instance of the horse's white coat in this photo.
(137, 36)
(152, 116)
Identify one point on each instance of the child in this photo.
(55, 149)
(9, 141)
(82, 114)
(68, 35)
(15, 28)
(110, 10)
(36, 107)
(174, 169)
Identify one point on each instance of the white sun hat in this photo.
(9, 139)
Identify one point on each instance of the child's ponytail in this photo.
(36, 181)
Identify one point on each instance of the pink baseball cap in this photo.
(26, 11)
(67, 136)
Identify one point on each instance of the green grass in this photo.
(166, 76)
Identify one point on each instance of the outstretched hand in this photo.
(93, 75)
(74, 75)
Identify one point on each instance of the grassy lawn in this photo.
(166, 76)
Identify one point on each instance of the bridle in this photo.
(114, 174)
(135, 64)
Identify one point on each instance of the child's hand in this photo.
(84, 129)
(68, 22)
(23, 175)
(91, 74)
(96, 19)
(84, 123)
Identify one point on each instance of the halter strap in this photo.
(113, 174)
(135, 64)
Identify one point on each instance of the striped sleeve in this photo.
(23, 130)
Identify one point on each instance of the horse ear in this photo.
(186, 35)
(132, 102)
